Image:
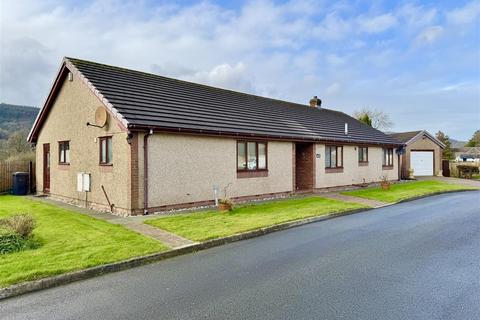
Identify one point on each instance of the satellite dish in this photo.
(101, 116)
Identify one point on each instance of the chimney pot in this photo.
(315, 102)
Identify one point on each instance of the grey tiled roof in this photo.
(151, 101)
(405, 136)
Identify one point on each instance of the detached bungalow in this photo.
(131, 142)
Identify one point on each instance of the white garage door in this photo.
(422, 163)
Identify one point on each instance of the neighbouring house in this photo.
(423, 153)
(468, 154)
(132, 142)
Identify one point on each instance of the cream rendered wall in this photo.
(352, 172)
(74, 106)
(185, 169)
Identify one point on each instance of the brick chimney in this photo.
(315, 102)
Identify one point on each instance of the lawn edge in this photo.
(61, 279)
(417, 197)
(50, 282)
(433, 194)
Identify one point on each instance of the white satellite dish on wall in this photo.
(101, 116)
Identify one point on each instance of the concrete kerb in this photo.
(50, 282)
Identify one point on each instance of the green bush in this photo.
(10, 243)
(16, 233)
(19, 224)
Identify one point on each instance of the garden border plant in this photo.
(16, 233)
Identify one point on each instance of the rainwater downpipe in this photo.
(145, 171)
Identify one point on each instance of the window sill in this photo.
(252, 174)
(334, 170)
(64, 163)
(387, 167)
(363, 164)
(64, 166)
(106, 164)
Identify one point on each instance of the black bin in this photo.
(20, 183)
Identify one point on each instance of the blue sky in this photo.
(417, 61)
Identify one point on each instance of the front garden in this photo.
(403, 191)
(201, 226)
(61, 241)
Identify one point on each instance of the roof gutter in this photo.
(133, 127)
(145, 170)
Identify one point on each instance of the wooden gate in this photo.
(446, 168)
(7, 168)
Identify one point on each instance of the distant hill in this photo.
(16, 118)
(457, 144)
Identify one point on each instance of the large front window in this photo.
(251, 155)
(333, 157)
(387, 157)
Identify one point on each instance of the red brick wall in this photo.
(304, 166)
(134, 185)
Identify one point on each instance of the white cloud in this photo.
(332, 27)
(429, 35)
(377, 24)
(417, 16)
(291, 51)
(225, 76)
(465, 14)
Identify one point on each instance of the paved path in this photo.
(342, 197)
(170, 239)
(415, 260)
(133, 223)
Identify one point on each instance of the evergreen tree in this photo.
(447, 152)
(475, 140)
(365, 118)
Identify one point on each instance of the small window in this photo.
(64, 152)
(362, 154)
(106, 151)
(333, 157)
(387, 157)
(251, 155)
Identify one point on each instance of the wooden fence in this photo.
(7, 168)
(453, 167)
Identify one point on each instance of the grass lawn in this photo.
(201, 226)
(402, 191)
(69, 241)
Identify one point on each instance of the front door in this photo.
(46, 167)
(304, 166)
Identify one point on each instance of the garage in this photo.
(422, 163)
(423, 154)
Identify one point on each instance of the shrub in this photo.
(19, 224)
(11, 242)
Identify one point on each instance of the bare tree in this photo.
(379, 119)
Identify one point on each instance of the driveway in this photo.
(416, 260)
(452, 180)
